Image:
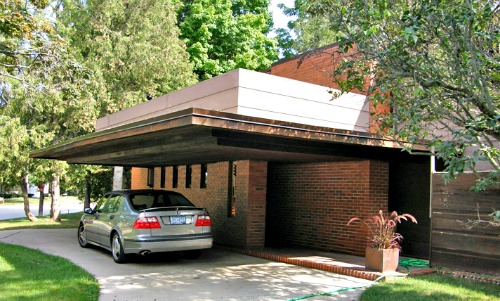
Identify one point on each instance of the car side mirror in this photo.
(88, 210)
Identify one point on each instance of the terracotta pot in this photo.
(385, 260)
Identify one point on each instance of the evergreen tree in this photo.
(132, 45)
(44, 92)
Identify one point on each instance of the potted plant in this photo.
(382, 252)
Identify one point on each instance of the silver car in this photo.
(146, 221)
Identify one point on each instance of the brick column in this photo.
(256, 206)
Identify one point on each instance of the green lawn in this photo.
(432, 287)
(67, 221)
(35, 201)
(27, 274)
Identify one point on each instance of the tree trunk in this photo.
(55, 210)
(118, 178)
(86, 201)
(24, 190)
(41, 188)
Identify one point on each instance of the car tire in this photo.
(82, 237)
(192, 254)
(117, 249)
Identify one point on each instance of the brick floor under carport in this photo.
(326, 261)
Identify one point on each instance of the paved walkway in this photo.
(218, 275)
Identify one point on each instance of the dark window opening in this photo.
(189, 171)
(162, 177)
(175, 176)
(151, 177)
(203, 176)
(231, 188)
(439, 165)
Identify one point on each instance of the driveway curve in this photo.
(216, 275)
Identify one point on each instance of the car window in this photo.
(143, 201)
(178, 200)
(113, 203)
(99, 207)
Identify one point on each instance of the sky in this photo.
(280, 20)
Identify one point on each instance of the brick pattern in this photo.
(311, 263)
(139, 178)
(316, 67)
(310, 204)
(247, 228)
(256, 210)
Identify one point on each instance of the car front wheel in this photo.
(82, 237)
(117, 249)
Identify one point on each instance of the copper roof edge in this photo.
(227, 121)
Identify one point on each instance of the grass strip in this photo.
(70, 220)
(433, 287)
(27, 274)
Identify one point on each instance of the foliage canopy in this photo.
(222, 35)
(132, 46)
(435, 64)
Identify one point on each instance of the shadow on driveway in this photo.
(216, 275)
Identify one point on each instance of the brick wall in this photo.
(247, 228)
(139, 178)
(317, 67)
(310, 204)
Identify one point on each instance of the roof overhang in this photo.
(203, 136)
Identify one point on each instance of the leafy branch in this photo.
(479, 222)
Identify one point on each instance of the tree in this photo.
(222, 35)
(41, 175)
(132, 45)
(311, 31)
(23, 49)
(17, 141)
(45, 95)
(90, 182)
(435, 64)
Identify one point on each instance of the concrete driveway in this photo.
(217, 275)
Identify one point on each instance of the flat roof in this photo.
(255, 94)
(194, 136)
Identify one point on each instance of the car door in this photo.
(92, 221)
(108, 218)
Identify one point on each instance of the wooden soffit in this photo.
(203, 136)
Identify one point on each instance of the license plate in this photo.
(177, 220)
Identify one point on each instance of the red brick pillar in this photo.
(256, 204)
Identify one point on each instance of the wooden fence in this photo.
(453, 244)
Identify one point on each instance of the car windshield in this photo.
(146, 200)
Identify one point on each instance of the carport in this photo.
(281, 162)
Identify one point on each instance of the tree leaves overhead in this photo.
(132, 44)
(222, 35)
(311, 30)
(439, 63)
